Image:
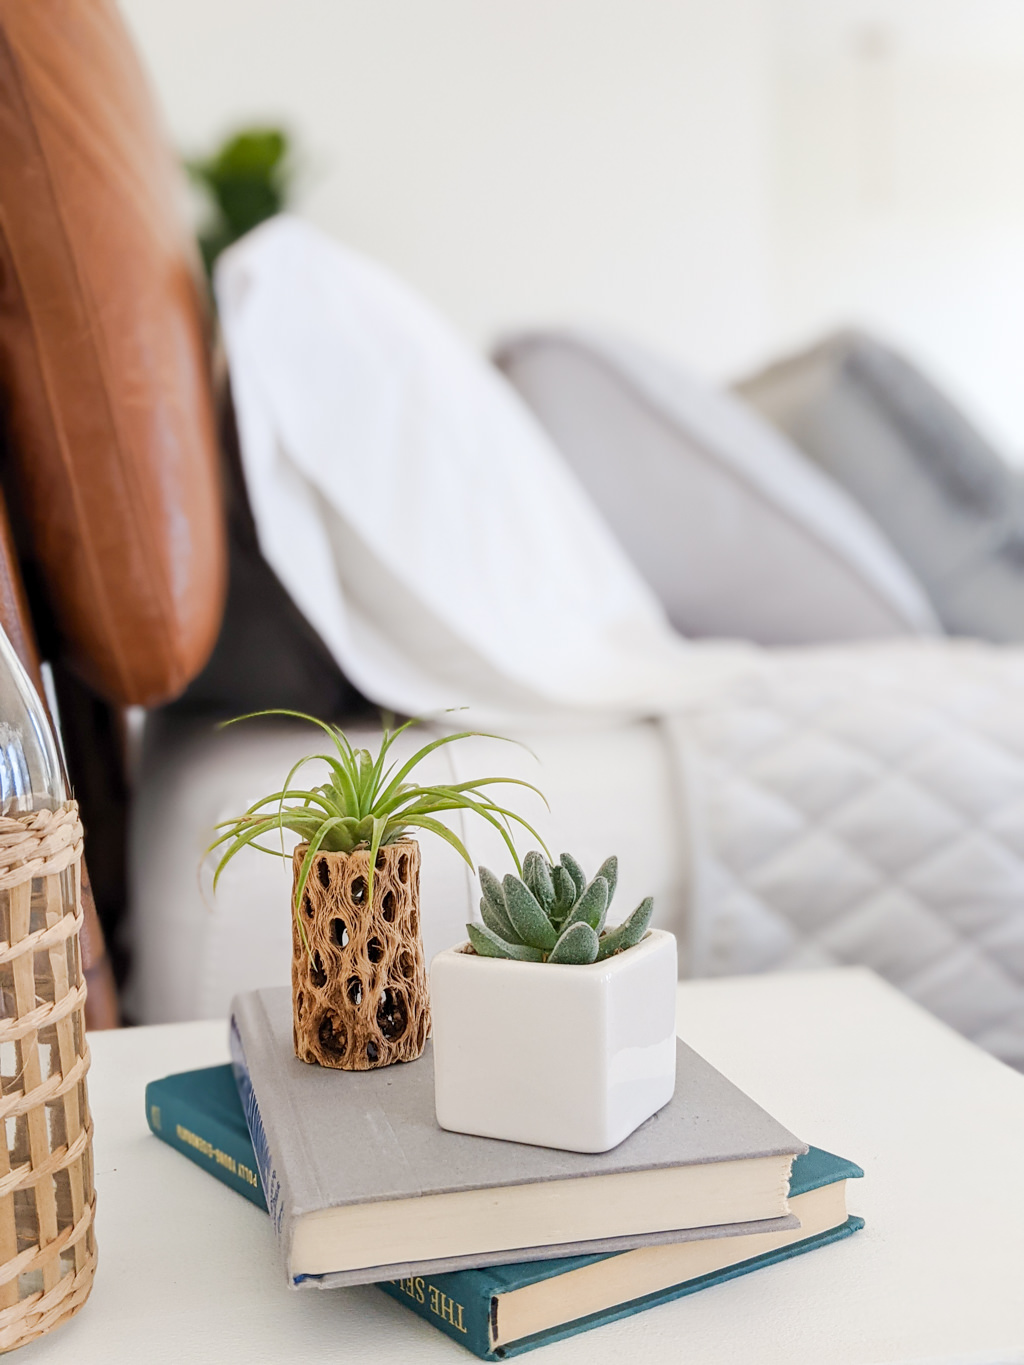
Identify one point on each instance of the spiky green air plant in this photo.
(364, 804)
(551, 914)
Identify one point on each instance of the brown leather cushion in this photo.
(104, 373)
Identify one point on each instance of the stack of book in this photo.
(502, 1246)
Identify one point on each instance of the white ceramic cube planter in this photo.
(559, 1056)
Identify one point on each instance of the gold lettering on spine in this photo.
(200, 1144)
(441, 1305)
(215, 1154)
(413, 1286)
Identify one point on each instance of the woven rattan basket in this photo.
(47, 1201)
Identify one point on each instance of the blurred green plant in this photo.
(246, 181)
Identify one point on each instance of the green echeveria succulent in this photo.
(552, 914)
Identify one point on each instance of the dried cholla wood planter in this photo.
(47, 1201)
(359, 990)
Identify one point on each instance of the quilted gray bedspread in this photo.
(866, 805)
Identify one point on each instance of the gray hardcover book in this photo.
(364, 1185)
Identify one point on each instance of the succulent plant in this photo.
(552, 914)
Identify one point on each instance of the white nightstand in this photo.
(189, 1272)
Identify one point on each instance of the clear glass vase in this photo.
(31, 773)
(47, 1201)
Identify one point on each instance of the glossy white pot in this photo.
(559, 1056)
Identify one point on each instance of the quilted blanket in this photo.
(866, 805)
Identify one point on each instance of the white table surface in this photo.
(189, 1271)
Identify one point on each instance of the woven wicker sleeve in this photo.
(47, 1199)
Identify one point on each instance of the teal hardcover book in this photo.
(199, 1113)
(505, 1310)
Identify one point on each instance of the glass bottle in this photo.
(31, 773)
(46, 1170)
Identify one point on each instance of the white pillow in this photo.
(413, 508)
(733, 528)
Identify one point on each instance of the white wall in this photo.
(721, 178)
(898, 186)
(517, 160)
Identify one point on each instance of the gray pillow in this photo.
(947, 501)
(736, 532)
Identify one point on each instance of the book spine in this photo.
(201, 1137)
(460, 1304)
(269, 1178)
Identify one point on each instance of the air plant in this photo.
(552, 914)
(364, 804)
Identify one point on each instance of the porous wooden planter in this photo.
(359, 990)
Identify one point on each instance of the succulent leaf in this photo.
(498, 923)
(565, 893)
(537, 876)
(528, 918)
(491, 887)
(492, 907)
(629, 932)
(577, 945)
(489, 944)
(592, 906)
(575, 872)
(609, 870)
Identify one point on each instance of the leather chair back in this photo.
(108, 449)
(112, 471)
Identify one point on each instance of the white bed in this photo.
(856, 804)
(786, 806)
